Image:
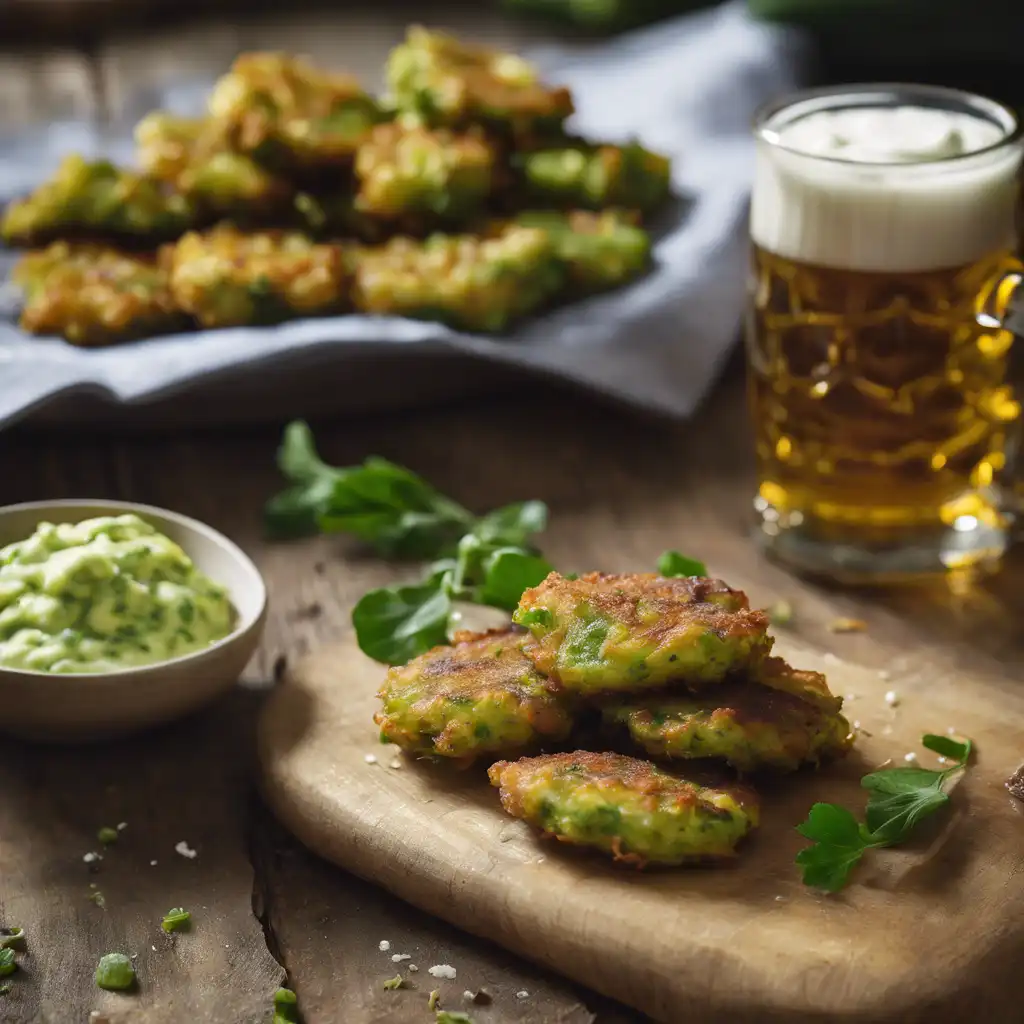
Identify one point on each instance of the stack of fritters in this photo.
(677, 667)
(458, 197)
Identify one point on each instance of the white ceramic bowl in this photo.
(94, 706)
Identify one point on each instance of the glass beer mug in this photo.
(884, 240)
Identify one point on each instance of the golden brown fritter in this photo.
(93, 295)
(635, 632)
(226, 278)
(808, 686)
(748, 725)
(479, 695)
(629, 808)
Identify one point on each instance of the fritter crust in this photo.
(96, 199)
(437, 79)
(92, 295)
(226, 278)
(594, 177)
(749, 726)
(626, 807)
(479, 695)
(811, 687)
(600, 250)
(468, 282)
(602, 633)
(287, 113)
(413, 170)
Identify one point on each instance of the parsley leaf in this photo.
(507, 573)
(899, 799)
(672, 563)
(395, 624)
(7, 964)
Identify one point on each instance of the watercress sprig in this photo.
(899, 799)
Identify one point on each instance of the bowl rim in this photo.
(196, 526)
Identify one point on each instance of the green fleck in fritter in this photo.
(598, 176)
(413, 170)
(225, 278)
(96, 198)
(91, 295)
(480, 695)
(625, 807)
(748, 725)
(481, 284)
(286, 113)
(437, 79)
(600, 250)
(637, 632)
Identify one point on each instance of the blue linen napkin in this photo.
(686, 87)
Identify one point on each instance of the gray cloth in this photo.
(686, 87)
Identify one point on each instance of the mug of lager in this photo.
(883, 230)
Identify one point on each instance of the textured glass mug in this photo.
(878, 361)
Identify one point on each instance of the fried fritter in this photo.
(187, 153)
(92, 295)
(473, 283)
(334, 215)
(595, 177)
(625, 807)
(404, 170)
(226, 278)
(811, 687)
(439, 80)
(288, 114)
(600, 250)
(747, 725)
(481, 695)
(636, 632)
(96, 198)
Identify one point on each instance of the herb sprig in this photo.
(899, 799)
(486, 560)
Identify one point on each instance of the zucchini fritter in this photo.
(594, 177)
(439, 80)
(468, 282)
(288, 114)
(747, 725)
(405, 170)
(811, 687)
(186, 153)
(600, 250)
(635, 632)
(226, 278)
(625, 807)
(480, 695)
(97, 198)
(92, 295)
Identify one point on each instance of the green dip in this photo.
(104, 594)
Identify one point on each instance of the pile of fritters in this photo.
(678, 669)
(460, 197)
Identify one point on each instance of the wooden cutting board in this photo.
(931, 933)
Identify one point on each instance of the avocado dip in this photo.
(104, 594)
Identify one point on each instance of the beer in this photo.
(882, 263)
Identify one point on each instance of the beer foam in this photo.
(888, 188)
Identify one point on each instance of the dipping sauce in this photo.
(104, 594)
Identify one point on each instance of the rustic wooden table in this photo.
(265, 911)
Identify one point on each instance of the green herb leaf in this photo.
(507, 573)
(115, 972)
(839, 845)
(395, 624)
(175, 920)
(297, 458)
(394, 983)
(7, 964)
(433, 999)
(453, 1017)
(107, 835)
(672, 563)
(900, 798)
(12, 938)
(948, 746)
(286, 1007)
(512, 525)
